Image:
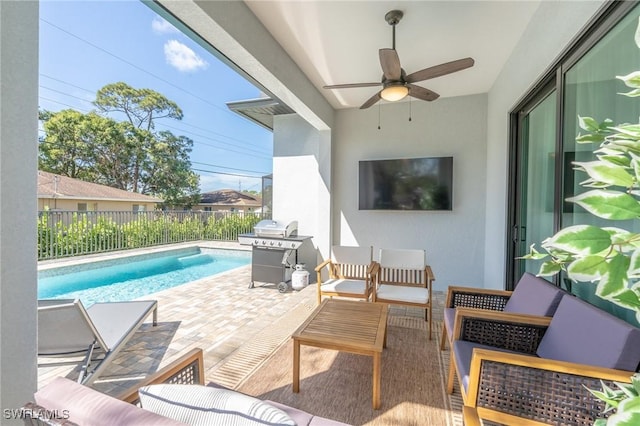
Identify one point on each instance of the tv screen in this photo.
(406, 184)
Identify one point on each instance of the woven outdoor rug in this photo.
(338, 386)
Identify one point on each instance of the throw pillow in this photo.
(203, 405)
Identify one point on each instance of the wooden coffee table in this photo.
(347, 326)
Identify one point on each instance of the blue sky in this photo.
(85, 45)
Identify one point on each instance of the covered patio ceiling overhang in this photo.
(291, 49)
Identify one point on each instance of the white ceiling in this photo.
(336, 42)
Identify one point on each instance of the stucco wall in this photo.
(453, 240)
(18, 168)
(302, 182)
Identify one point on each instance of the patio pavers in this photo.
(237, 328)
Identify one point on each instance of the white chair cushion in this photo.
(403, 259)
(344, 286)
(203, 405)
(352, 255)
(403, 294)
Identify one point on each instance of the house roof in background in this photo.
(51, 185)
(230, 197)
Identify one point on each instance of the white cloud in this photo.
(162, 26)
(182, 57)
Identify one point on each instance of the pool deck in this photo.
(237, 327)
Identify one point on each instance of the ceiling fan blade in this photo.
(440, 70)
(350, 85)
(390, 64)
(422, 93)
(372, 100)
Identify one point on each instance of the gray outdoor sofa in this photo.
(533, 370)
(532, 295)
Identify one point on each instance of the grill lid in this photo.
(276, 228)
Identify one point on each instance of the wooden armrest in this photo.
(188, 369)
(538, 391)
(529, 361)
(374, 268)
(517, 332)
(476, 297)
(322, 265)
(429, 275)
(470, 416)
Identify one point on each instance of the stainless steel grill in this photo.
(274, 252)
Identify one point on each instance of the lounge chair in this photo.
(66, 329)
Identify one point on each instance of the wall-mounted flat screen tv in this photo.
(406, 184)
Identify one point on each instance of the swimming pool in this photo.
(136, 276)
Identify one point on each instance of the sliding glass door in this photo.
(545, 126)
(536, 180)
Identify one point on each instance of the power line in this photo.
(135, 66)
(252, 153)
(261, 173)
(66, 94)
(158, 120)
(226, 174)
(211, 131)
(219, 141)
(229, 168)
(67, 83)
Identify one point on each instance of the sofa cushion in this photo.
(204, 405)
(344, 286)
(584, 334)
(463, 351)
(403, 258)
(534, 296)
(352, 255)
(403, 293)
(88, 407)
(449, 319)
(302, 418)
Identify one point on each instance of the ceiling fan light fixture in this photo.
(394, 92)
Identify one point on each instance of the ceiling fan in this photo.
(396, 84)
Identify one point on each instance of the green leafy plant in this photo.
(626, 399)
(71, 234)
(608, 256)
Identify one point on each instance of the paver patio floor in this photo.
(237, 327)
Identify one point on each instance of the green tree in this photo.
(128, 154)
(140, 106)
(71, 140)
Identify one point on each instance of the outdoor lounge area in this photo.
(508, 100)
(246, 346)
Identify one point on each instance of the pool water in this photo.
(134, 277)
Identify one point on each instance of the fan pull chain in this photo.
(378, 115)
(409, 108)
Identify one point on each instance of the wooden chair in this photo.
(548, 391)
(534, 370)
(405, 279)
(533, 295)
(351, 273)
